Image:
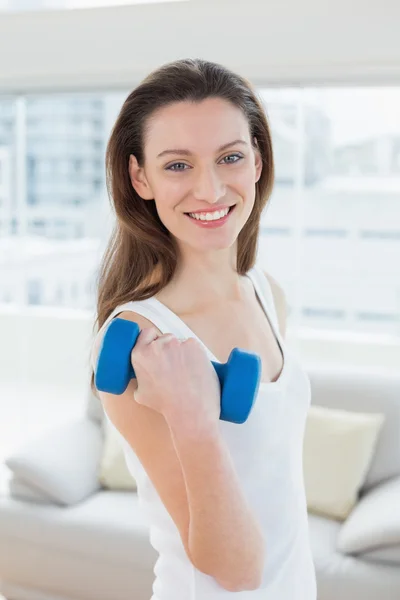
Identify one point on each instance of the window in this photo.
(381, 235)
(56, 198)
(35, 291)
(326, 233)
(329, 233)
(337, 191)
(323, 313)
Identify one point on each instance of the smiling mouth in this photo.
(211, 212)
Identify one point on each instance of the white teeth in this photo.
(214, 216)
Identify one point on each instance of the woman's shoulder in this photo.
(130, 311)
(135, 311)
(130, 314)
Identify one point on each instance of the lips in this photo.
(212, 223)
(210, 210)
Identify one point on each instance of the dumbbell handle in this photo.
(236, 403)
(219, 368)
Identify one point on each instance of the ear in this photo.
(258, 160)
(139, 180)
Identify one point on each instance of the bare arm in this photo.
(197, 483)
(224, 537)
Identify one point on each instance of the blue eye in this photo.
(181, 164)
(238, 156)
(174, 165)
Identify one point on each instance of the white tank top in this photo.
(267, 452)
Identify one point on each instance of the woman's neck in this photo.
(197, 291)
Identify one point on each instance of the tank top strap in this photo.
(152, 310)
(264, 289)
(149, 309)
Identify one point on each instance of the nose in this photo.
(208, 186)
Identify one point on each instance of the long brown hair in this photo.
(141, 256)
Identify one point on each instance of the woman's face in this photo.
(199, 157)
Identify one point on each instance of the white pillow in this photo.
(338, 449)
(61, 463)
(113, 471)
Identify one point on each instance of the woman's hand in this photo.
(175, 377)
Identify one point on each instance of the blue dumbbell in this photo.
(239, 378)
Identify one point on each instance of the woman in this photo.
(190, 169)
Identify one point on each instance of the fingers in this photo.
(148, 335)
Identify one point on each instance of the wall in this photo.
(284, 42)
(42, 345)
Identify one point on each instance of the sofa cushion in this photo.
(61, 463)
(375, 521)
(343, 577)
(388, 556)
(113, 470)
(107, 526)
(338, 448)
(365, 391)
(96, 549)
(94, 408)
(18, 488)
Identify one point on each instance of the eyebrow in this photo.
(188, 153)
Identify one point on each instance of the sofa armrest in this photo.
(63, 463)
(374, 522)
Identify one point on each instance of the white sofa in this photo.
(63, 537)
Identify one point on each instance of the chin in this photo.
(221, 245)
